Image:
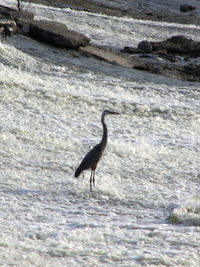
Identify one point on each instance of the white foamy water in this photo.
(144, 210)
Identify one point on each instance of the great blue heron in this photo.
(93, 156)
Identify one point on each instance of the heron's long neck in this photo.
(105, 133)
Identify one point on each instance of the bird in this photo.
(92, 158)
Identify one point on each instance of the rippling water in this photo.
(145, 208)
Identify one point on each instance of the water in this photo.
(145, 208)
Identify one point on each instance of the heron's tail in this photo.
(77, 172)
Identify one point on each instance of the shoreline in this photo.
(159, 57)
(137, 11)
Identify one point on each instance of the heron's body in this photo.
(92, 158)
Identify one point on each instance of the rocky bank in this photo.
(180, 55)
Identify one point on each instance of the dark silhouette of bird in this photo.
(92, 158)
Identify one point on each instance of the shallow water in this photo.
(144, 210)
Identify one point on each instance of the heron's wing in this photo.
(91, 158)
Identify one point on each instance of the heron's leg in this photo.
(83, 175)
(91, 181)
(93, 169)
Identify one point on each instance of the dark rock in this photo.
(149, 13)
(163, 54)
(7, 31)
(10, 13)
(9, 20)
(22, 15)
(131, 50)
(145, 46)
(186, 59)
(5, 14)
(24, 25)
(192, 67)
(183, 46)
(23, 20)
(57, 34)
(145, 56)
(178, 39)
(147, 67)
(7, 23)
(177, 45)
(192, 71)
(49, 32)
(170, 51)
(185, 8)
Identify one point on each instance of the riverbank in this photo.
(176, 57)
(144, 10)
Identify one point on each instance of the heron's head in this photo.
(108, 112)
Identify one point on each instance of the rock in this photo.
(192, 73)
(7, 23)
(179, 39)
(7, 31)
(170, 51)
(50, 32)
(177, 45)
(112, 57)
(183, 46)
(145, 56)
(9, 20)
(164, 55)
(57, 34)
(24, 25)
(149, 66)
(7, 27)
(192, 69)
(22, 15)
(186, 59)
(11, 13)
(5, 15)
(131, 50)
(185, 8)
(145, 46)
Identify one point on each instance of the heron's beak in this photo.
(115, 113)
